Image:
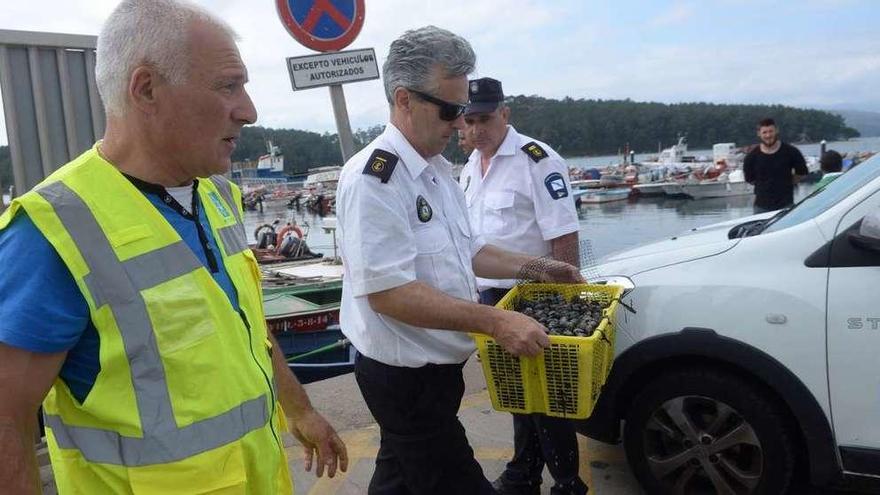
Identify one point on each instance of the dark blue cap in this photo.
(484, 95)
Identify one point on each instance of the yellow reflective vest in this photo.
(184, 402)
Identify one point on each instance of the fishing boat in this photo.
(585, 184)
(675, 154)
(266, 247)
(272, 163)
(732, 184)
(319, 355)
(611, 179)
(595, 196)
(302, 301)
(270, 257)
(674, 190)
(650, 189)
(320, 187)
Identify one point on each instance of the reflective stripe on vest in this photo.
(233, 236)
(119, 285)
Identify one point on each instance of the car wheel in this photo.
(703, 431)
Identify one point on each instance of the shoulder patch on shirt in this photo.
(555, 185)
(423, 209)
(534, 151)
(381, 164)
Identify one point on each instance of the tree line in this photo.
(600, 127)
(574, 127)
(578, 127)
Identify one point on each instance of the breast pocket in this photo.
(431, 239)
(432, 242)
(498, 214)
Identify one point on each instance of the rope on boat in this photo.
(326, 348)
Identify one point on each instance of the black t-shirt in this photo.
(771, 175)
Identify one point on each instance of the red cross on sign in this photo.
(322, 25)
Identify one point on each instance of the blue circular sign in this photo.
(323, 25)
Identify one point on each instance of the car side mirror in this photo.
(864, 242)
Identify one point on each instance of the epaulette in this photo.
(534, 151)
(381, 164)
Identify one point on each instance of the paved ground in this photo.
(603, 467)
(490, 433)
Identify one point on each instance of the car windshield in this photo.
(821, 200)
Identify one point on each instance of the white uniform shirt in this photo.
(520, 204)
(414, 227)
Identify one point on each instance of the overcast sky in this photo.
(802, 53)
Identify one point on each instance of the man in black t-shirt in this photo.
(774, 168)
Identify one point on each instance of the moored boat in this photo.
(726, 185)
(595, 196)
(302, 301)
(649, 189)
(320, 187)
(585, 184)
(674, 190)
(611, 180)
(320, 355)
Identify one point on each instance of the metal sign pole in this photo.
(343, 127)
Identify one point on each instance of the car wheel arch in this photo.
(704, 347)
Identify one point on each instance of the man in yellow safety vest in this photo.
(133, 307)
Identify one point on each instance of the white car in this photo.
(747, 351)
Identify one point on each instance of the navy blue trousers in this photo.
(423, 448)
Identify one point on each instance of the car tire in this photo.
(696, 431)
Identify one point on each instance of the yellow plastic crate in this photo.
(564, 380)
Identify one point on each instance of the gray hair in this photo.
(413, 56)
(146, 32)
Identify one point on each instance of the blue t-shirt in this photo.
(42, 309)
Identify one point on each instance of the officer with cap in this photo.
(518, 196)
(409, 259)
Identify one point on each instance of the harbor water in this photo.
(610, 227)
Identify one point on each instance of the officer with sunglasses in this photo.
(410, 259)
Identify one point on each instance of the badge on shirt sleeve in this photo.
(555, 185)
(381, 164)
(534, 151)
(423, 209)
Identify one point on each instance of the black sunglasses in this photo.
(448, 111)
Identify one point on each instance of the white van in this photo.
(748, 351)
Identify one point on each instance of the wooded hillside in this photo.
(572, 127)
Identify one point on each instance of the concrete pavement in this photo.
(490, 432)
(603, 467)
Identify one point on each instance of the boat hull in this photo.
(302, 302)
(648, 190)
(603, 196)
(335, 361)
(674, 190)
(717, 189)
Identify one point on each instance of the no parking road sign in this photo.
(322, 25)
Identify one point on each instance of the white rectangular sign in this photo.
(324, 69)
